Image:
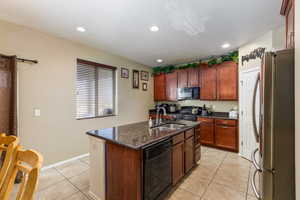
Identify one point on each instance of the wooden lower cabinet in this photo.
(178, 162)
(207, 133)
(123, 168)
(197, 154)
(220, 133)
(226, 137)
(189, 154)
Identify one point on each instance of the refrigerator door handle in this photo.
(256, 165)
(255, 128)
(258, 196)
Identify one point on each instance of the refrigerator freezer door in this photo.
(278, 134)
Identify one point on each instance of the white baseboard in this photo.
(64, 161)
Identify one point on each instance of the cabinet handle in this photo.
(225, 127)
(292, 39)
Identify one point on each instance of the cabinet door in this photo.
(171, 86)
(208, 77)
(159, 87)
(193, 77)
(178, 162)
(189, 154)
(207, 134)
(227, 75)
(182, 78)
(226, 137)
(197, 137)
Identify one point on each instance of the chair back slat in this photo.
(8, 145)
(29, 162)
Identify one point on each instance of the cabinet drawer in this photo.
(178, 138)
(226, 122)
(189, 133)
(205, 120)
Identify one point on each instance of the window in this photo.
(95, 90)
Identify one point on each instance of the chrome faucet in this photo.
(158, 116)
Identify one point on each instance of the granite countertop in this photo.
(214, 115)
(139, 135)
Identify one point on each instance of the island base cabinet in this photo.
(178, 162)
(189, 154)
(123, 173)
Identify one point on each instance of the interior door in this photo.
(246, 91)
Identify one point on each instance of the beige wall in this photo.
(50, 86)
(272, 40)
(297, 90)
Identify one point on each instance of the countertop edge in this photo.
(146, 144)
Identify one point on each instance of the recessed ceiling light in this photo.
(226, 45)
(154, 28)
(159, 60)
(80, 29)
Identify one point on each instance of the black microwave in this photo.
(188, 93)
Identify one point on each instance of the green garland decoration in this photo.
(232, 56)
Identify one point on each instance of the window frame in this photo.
(98, 65)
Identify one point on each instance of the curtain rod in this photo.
(27, 60)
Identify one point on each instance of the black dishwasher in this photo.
(157, 170)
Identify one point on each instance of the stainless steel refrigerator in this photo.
(274, 160)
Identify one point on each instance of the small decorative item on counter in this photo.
(233, 113)
(150, 122)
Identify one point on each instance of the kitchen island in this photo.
(135, 161)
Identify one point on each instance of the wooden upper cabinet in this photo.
(227, 78)
(182, 76)
(193, 77)
(288, 10)
(160, 87)
(171, 86)
(208, 77)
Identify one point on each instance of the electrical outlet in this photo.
(37, 112)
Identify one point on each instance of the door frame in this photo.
(242, 73)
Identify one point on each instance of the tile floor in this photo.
(219, 176)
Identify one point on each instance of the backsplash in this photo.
(218, 106)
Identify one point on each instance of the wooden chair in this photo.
(29, 162)
(8, 145)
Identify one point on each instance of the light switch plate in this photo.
(37, 112)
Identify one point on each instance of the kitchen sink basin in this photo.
(172, 126)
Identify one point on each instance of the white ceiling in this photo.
(189, 29)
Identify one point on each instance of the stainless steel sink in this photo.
(173, 126)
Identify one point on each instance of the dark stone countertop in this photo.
(214, 115)
(139, 135)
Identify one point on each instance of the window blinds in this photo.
(95, 95)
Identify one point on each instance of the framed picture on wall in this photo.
(144, 76)
(135, 79)
(145, 86)
(124, 73)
